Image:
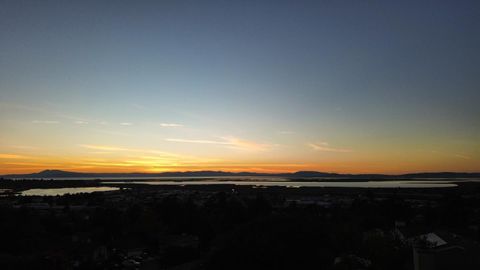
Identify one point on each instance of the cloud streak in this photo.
(325, 147)
(170, 125)
(24, 147)
(196, 141)
(462, 156)
(146, 159)
(231, 142)
(11, 156)
(48, 122)
(104, 149)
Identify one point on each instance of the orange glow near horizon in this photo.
(126, 154)
(18, 164)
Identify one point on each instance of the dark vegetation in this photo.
(221, 228)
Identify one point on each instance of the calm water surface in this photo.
(247, 181)
(293, 184)
(63, 191)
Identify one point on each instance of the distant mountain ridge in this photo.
(49, 174)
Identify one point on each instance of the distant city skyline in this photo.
(262, 86)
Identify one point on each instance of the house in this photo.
(442, 250)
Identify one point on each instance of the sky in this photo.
(266, 86)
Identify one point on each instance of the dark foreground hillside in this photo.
(247, 228)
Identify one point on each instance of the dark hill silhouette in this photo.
(58, 173)
(47, 174)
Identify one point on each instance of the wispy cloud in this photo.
(170, 125)
(23, 147)
(242, 144)
(462, 156)
(148, 159)
(126, 124)
(48, 122)
(103, 147)
(80, 122)
(450, 155)
(196, 141)
(48, 111)
(11, 156)
(231, 142)
(325, 147)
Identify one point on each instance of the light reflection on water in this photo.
(362, 184)
(63, 191)
(255, 182)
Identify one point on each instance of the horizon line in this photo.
(252, 172)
